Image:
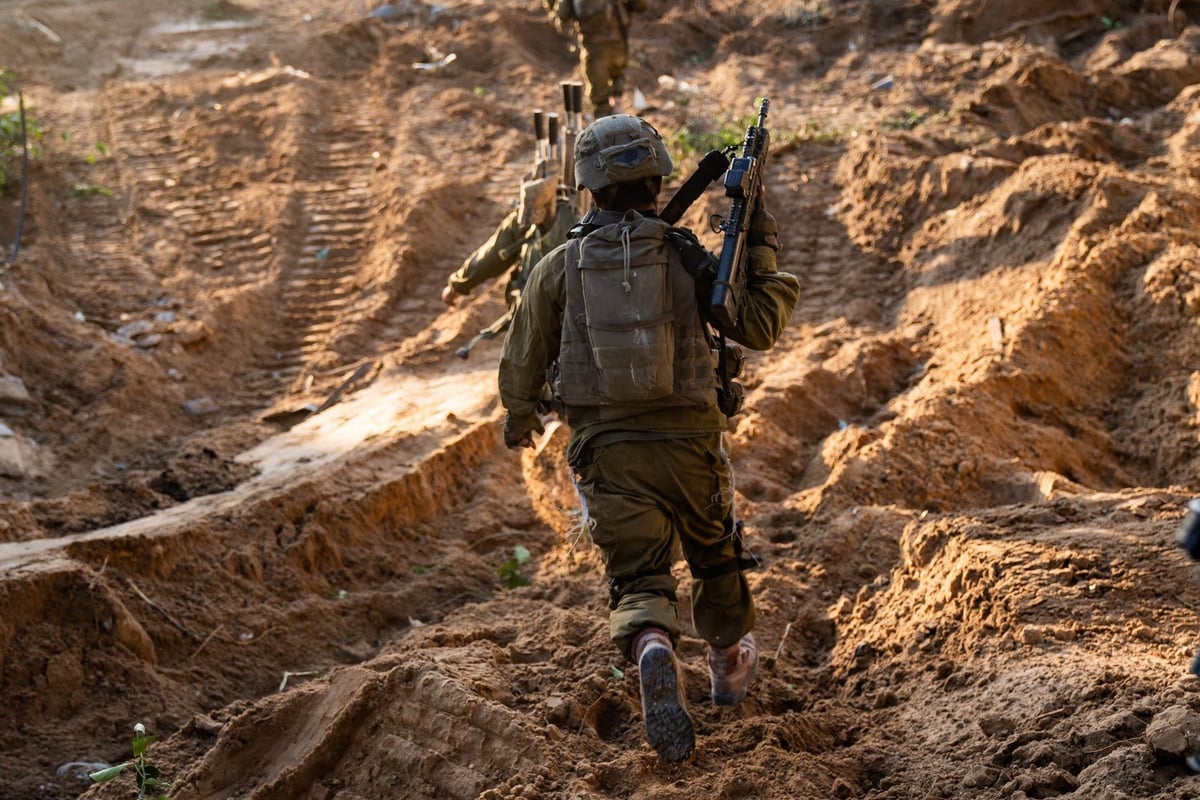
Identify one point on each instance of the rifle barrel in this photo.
(539, 132)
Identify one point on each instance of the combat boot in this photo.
(732, 669)
(664, 707)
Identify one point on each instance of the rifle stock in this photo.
(743, 180)
(499, 326)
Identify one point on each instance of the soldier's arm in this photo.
(492, 259)
(768, 302)
(769, 296)
(532, 343)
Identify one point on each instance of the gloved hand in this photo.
(519, 433)
(763, 230)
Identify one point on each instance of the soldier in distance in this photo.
(602, 30)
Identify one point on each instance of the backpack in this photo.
(620, 347)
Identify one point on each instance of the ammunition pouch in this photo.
(732, 400)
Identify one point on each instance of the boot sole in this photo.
(668, 724)
(733, 698)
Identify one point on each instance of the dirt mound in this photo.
(253, 500)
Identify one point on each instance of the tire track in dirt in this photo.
(335, 200)
(301, 264)
(157, 161)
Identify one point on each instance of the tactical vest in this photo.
(632, 333)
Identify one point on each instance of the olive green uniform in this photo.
(512, 244)
(604, 48)
(649, 478)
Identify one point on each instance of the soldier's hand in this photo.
(519, 433)
(763, 228)
(449, 297)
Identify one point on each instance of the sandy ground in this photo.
(963, 466)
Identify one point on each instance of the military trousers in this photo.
(646, 502)
(603, 58)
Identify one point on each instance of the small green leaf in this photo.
(104, 775)
(617, 673)
(520, 554)
(140, 743)
(80, 189)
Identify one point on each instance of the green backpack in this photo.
(622, 276)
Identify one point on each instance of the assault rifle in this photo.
(554, 141)
(743, 182)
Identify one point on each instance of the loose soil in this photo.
(252, 499)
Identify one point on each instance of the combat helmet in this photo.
(619, 148)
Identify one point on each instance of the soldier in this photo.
(602, 27)
(621, 322)
(537, 226)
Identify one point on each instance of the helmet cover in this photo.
(619, 148)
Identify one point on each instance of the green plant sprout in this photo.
(511, 569)
(149, 780)
(688, 141)
(12, 140)
(86, 189)
(100, 148)
(908, 120)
